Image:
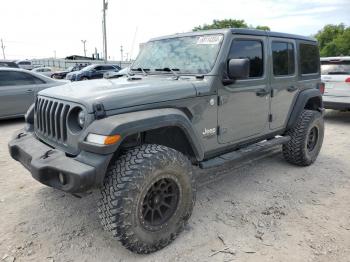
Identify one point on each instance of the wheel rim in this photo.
(312, 139)
(159, 203)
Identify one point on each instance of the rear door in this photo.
(336, 76)
(97, 72)
(284, 85)
(17, 92)
(244, 105)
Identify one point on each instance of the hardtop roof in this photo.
(242, 31)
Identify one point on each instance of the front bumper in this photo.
(337, 103)
(46, 164)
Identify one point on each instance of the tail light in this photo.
(347, 80)
(321, 87)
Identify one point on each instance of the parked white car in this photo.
(46, 71)
(335, 73)
(120, 73)
(25, 64)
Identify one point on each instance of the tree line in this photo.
(334, 40)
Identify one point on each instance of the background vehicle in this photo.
(63, 74)
(336, 76)
(18, 89)
(111, 74)
(46, 71)
(92, 72)
(197, 99)
(6, 63)
(25, 64)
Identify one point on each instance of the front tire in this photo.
(147, 197)
(306, 139)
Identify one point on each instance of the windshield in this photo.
(189, 54)
(335, 68)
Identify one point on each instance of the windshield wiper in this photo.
(168, 69)
(140, 69)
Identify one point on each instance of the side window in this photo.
(283, 58)
(12, 78)
(251, 49)
(98, 68)
(108, 68)
(309, 59)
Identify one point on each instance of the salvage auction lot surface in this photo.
(264, 210)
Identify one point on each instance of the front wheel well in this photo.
(172, 136)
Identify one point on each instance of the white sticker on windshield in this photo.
(209, 40)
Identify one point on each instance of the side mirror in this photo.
(238, 68)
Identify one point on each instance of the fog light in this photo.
(62, 178)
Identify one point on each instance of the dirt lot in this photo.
(261, 210)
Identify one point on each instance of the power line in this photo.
(3, 49)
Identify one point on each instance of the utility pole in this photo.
(105, 6)
(121, 53)
(84, 42)
(3, 49)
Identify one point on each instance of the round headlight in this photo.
(81, 118)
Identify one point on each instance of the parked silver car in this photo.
(335, 73)
(46, 71)
(18, 89)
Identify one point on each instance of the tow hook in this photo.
(47, 154)
(21, 135)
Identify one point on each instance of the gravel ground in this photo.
(260, 210)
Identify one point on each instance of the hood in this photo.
(121, 92)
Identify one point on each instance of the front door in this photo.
(283, 80)
(243, 111)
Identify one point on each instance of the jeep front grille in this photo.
(51, 119)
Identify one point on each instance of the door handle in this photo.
(29, 91)
(262, 92)
(291, 88)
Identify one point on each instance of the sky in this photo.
(43, 28)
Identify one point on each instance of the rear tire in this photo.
(306, 139)
(147, 197)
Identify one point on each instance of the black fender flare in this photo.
(131, 123)
(300, 103)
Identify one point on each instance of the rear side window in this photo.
(108, 67)
(251, 49)
(12, 78)
(24, 63)
(309, 59)
(283, 58)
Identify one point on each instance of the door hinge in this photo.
(222, 100)
(221, 130)
(270, 117)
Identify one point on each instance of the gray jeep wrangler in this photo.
(197, 99)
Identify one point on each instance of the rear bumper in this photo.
(337, 103)
(46, 164)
